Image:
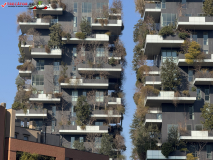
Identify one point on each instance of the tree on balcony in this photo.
(85, 26)
(140, 7)
(106, 145)
(170, 75)
(79, 145)
(119, 144)
(91, 138)
(208, 8)
(55, 36)
(207, 114)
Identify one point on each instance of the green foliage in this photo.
(79, 145)
(55, 36)
(141, 73)
(186, 93)
(112, 61)
(64, 70)
(19, 82)
(207, 114)
(108, 33)
(83, 111)
(190, 156)
(183, 35)
(166, 31)
(28, 156)
(193, 89)
(17, 105)
(106, 145)
(22, 57)
(138, 54)
(85, 27)
(170, 75)
(208, 8)
(80, 35)
(26, 66)
(166, 149)
(193, 53)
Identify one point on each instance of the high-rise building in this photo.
(71, 50)
(177, 44)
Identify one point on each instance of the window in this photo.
(38, 125)
(168, 19)
(53, 126)
(99, 96)
(99, 123)
(163, 4)
(205, 38)
(26, 138)
(170, 126)
(56, 66)
(209, 149)
(55, 80)
(206, 51)
(81, 139)
(100, 5)
(199, 93)
(190, 75)
(198, 127)
(53, 21)
(183, 4)
(38, 80)
(191, 112)
(189, 127)
(73, 123)
(100, 52)
(86, 7)
(89, 19)
(74, 51)
(75, 7)
(97, 142)
(85, 93)
(159, 116)
(74, 68)
(73, 114)
(169, 54)
(40, 65)
(75, 22)
(188, 15)
(74, 96)
(72, 142)
(194, 37)
(53, 111)
(206, 94)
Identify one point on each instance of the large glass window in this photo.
(190, 75)
(81, 139)
(40, 65)
(73, 114)
(99, 123)
(170, 54)
(86, 7)
(209, 149)
(189, 127)
(168, 19)
(163, 4)
(37, 80)
(53, 126)
(75, 22)
(191, 112)
(100, 52)
(53, 21)
(194, 37)
(99, 96)
(75, 7)
(38, 125)
(199, 93)
(206, 94)
(74, 51)
(56, 66)
(55, 80)
(198, 127)
(85, 93)
(97, 142)
(74, 96)
(26, 138)
(53, 111)
(183, 4)
(205, 38)
(72, 142)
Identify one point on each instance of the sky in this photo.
(9, 58)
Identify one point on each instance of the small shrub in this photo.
(108, 33)
(113, 10)
(47, 49)
(61, 79)
(67, 80)
(101, 21)
(112, 61)
(80, 35)
(190, 156)
(121, 109)
(106, 21)
(19, 67)
(183, 35)
(26, 66)
(54, 6)
(96, 20)
(166, 149)
(68, 36)
(166, 31)
(68, 122)
(58, 95)
(186, 93)
(193, 53)
(193, 89)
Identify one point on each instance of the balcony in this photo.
(197, 136)
(156, 154)
(207, 61)
(114, 101)
(40, 53)
(103, 114)
(154, 43)
(203, 78)
(86, 84)
(152, 118)
(25, 73)
(195, 23)
(154, 70)
(114, 71)
(44, 98)
(68, 129)
(101, 38)
(49, 11)
(153, 80)
(153, 10)
(31, 114)
(168, 97)
(114, 26)
(36, 23)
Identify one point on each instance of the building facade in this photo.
(182, 111)
(73, 67)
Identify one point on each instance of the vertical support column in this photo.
(11, 155)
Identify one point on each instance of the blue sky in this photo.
(9, 58)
